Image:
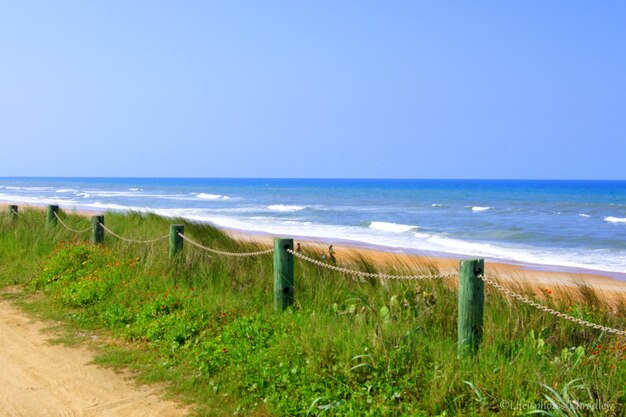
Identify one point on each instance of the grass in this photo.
(204, 325)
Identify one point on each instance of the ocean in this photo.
(563, 225)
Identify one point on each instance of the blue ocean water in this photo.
(566, 224)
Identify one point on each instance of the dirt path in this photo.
(39, 380)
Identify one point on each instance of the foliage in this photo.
(206, 325)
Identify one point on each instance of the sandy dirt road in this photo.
(38, 379)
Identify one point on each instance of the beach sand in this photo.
(43, 379)
(543, 280)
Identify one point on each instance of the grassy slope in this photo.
(205, 324)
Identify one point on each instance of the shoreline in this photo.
(541, 281)
(358, 245)
(397, 250)
(542, 278)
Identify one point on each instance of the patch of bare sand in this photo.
(40, 380)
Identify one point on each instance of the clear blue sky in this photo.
(532, 89)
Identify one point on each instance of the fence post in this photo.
(283, 274)
(471, 301)
(97, 231)
(52, 219)
(176, 242)
(13, 212)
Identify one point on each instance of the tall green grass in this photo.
(205, 325)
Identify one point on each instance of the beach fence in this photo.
(471, 276)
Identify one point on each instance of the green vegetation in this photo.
(206, 325)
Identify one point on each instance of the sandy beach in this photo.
(543, 279)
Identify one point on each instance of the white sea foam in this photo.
(285, 208)
(417, 240)
(243, 210)
(36, 200)
(84, 195)
(391, 227)
(136, 195)
(584, 215)
(66, 190)
(117, 207)
(135, 189)
(478, 208)
(206, 196)
(508, 253)
(436, 205)
(459, 246)
(612, 219)
(113, 194)
(28, 188)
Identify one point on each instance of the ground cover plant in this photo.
(205, 324)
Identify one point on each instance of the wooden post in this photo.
(283, 274)
(13, 212)
(176, 242)
(97, 231)
(52, 219)
(471, 300)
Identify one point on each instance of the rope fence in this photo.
(220, 252)
(549, 310)
(129, 240)
(70, 228)
(368, 274)
(471, 276)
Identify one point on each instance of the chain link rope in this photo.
(219, 252)
(368, 274)
(70, 228)
(125, 239)
(310, 260)
(549, 310)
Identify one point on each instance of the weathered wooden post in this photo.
(13, 212)
(52, 218)
(283, 274)
(471, 301)
(97, 231)
(176, 242)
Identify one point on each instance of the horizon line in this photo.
(310, 178)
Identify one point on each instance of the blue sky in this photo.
(314, 89)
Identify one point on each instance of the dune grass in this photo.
(205, 325)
